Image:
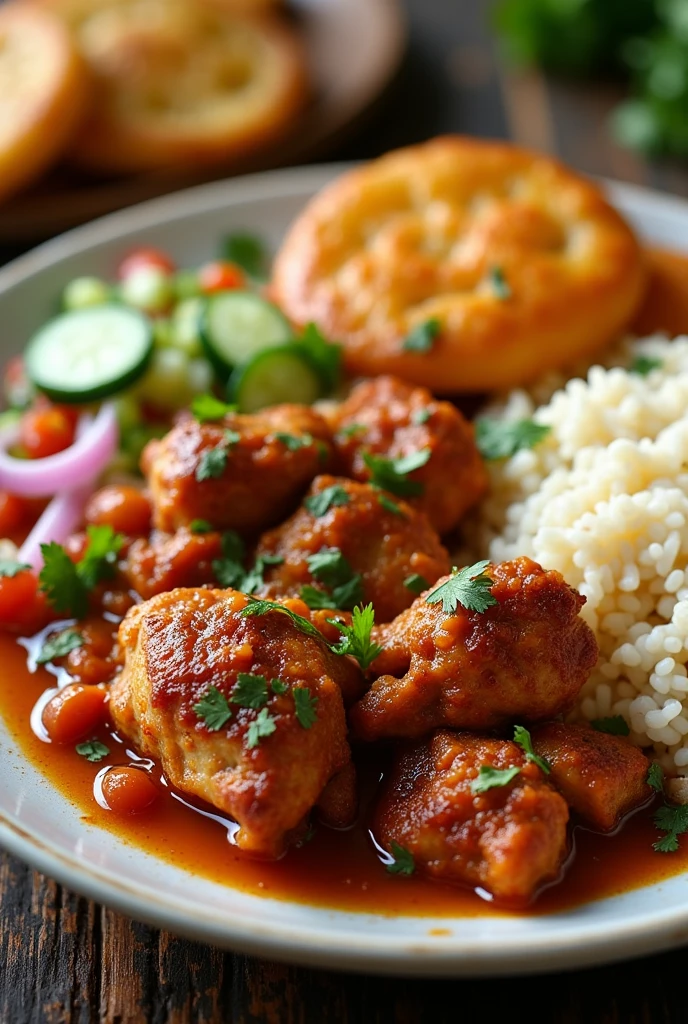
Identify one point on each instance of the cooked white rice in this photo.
(604, 499)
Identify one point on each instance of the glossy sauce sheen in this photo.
(341, 869)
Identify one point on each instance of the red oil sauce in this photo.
(665, 306)
(337, 869)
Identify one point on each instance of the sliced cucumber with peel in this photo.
(88, 354)
(237, 325)
(283, 373)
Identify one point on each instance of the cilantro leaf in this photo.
(92, 750)
(253, 579)
(491, 778)
(10, 568)
(229, 573)
(390, 506)
(263, 725)
(248, 252)
(325, 355)
(499, 283)
(305, 704)
(523, 738)
(403, 862)
(58, 645)
(356, 639)
(643, 365)
(392, 474)
(498, 439)
(330, 497)
(655, 777)
(329, 566)
(469, 587)
(293, 442)
(207, 408)
(422, 338)
(211, 464)
(231, 437)
(416, 583)
(100, 558)
(213, 709)
(344, 596)
(316, 598)
(421, 416)
(351, 429)
(251, 691)
(200, 526)
(278, 687)
(615, 725)
(673, 820)
(260, 607)
(61, 583)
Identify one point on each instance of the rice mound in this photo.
(604, 499)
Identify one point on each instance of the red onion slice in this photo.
(59, 519)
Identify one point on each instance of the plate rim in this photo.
(311, 945)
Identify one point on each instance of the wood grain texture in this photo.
(63, 960)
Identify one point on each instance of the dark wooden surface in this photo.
(64, 960)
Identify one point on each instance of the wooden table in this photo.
(65, 959)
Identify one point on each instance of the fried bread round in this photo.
(42, 85)
(182, 82)
(461, 264)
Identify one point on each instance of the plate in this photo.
(353, 47)
(38, 825)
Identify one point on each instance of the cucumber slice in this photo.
(88, 354)
(237, 325)
(283, 373)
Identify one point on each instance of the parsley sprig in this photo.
(342, 587)
(643, 365)
(523, 738)
(422, 338)
(229, 570)
(356, 638)
(58, 645)
(416, 583)
(402, 862)
(213, 461)
(500, 439)
(263, 725)
(393, 474)
(615, 725)
(207, 408)
(258, 606)
(248, 252)
(92, 750)
(672, 819)
(213, 709)
(491, 778)
(499, 284)
(330, 497)
(67, 584)
(469, 587)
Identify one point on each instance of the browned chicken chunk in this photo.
(166, 561)
(509, 839)
(523, 659)
(245, 712)
(347, 544)
(242, 473)
(602, 777)
(388, 418)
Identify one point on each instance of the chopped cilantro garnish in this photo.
(8, 567)
(248, 252)
(643, 365)
(344, 596)
(416, 583)
(251, 691)
(525, 742)
(421, 416)
(260, 607)
(422, 338)
(213, 709)
(253, 579)
(305, 704)
(66, 583)
(92, 750)
(655, 777)
(278, 687)
(352, 429)
(59, 645)
(294, 441)
(211, 464)
(207, 408)
(329, 497)
(402, 863)
(499, 283)
(390, 506)
(392, 474)
(499, 439)
(329, 566)
(615, 725)
(469, 587)
(672, 820)
(229, 573)
(356, 639)
(325, 355)
(344, 587)
(200, 526)
(491, 778)
(262, 726)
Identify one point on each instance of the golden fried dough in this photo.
(182, 82)
(521, 264)
(42, 85)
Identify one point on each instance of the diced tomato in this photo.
(14, 512)
(23, 607)
(220, 276)
(145, 257)
(126, 509)
(74, 712)
(47, 430)
(128, 790)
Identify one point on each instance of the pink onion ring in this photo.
(72, 468)
(60, 518)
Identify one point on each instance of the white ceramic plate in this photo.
(38, 825)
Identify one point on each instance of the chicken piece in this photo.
(378, 549)
(602, 777)
(523, 659)
(259, 467)
(167, 561)
(509, 840)
(268, 759)
(386, 417)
